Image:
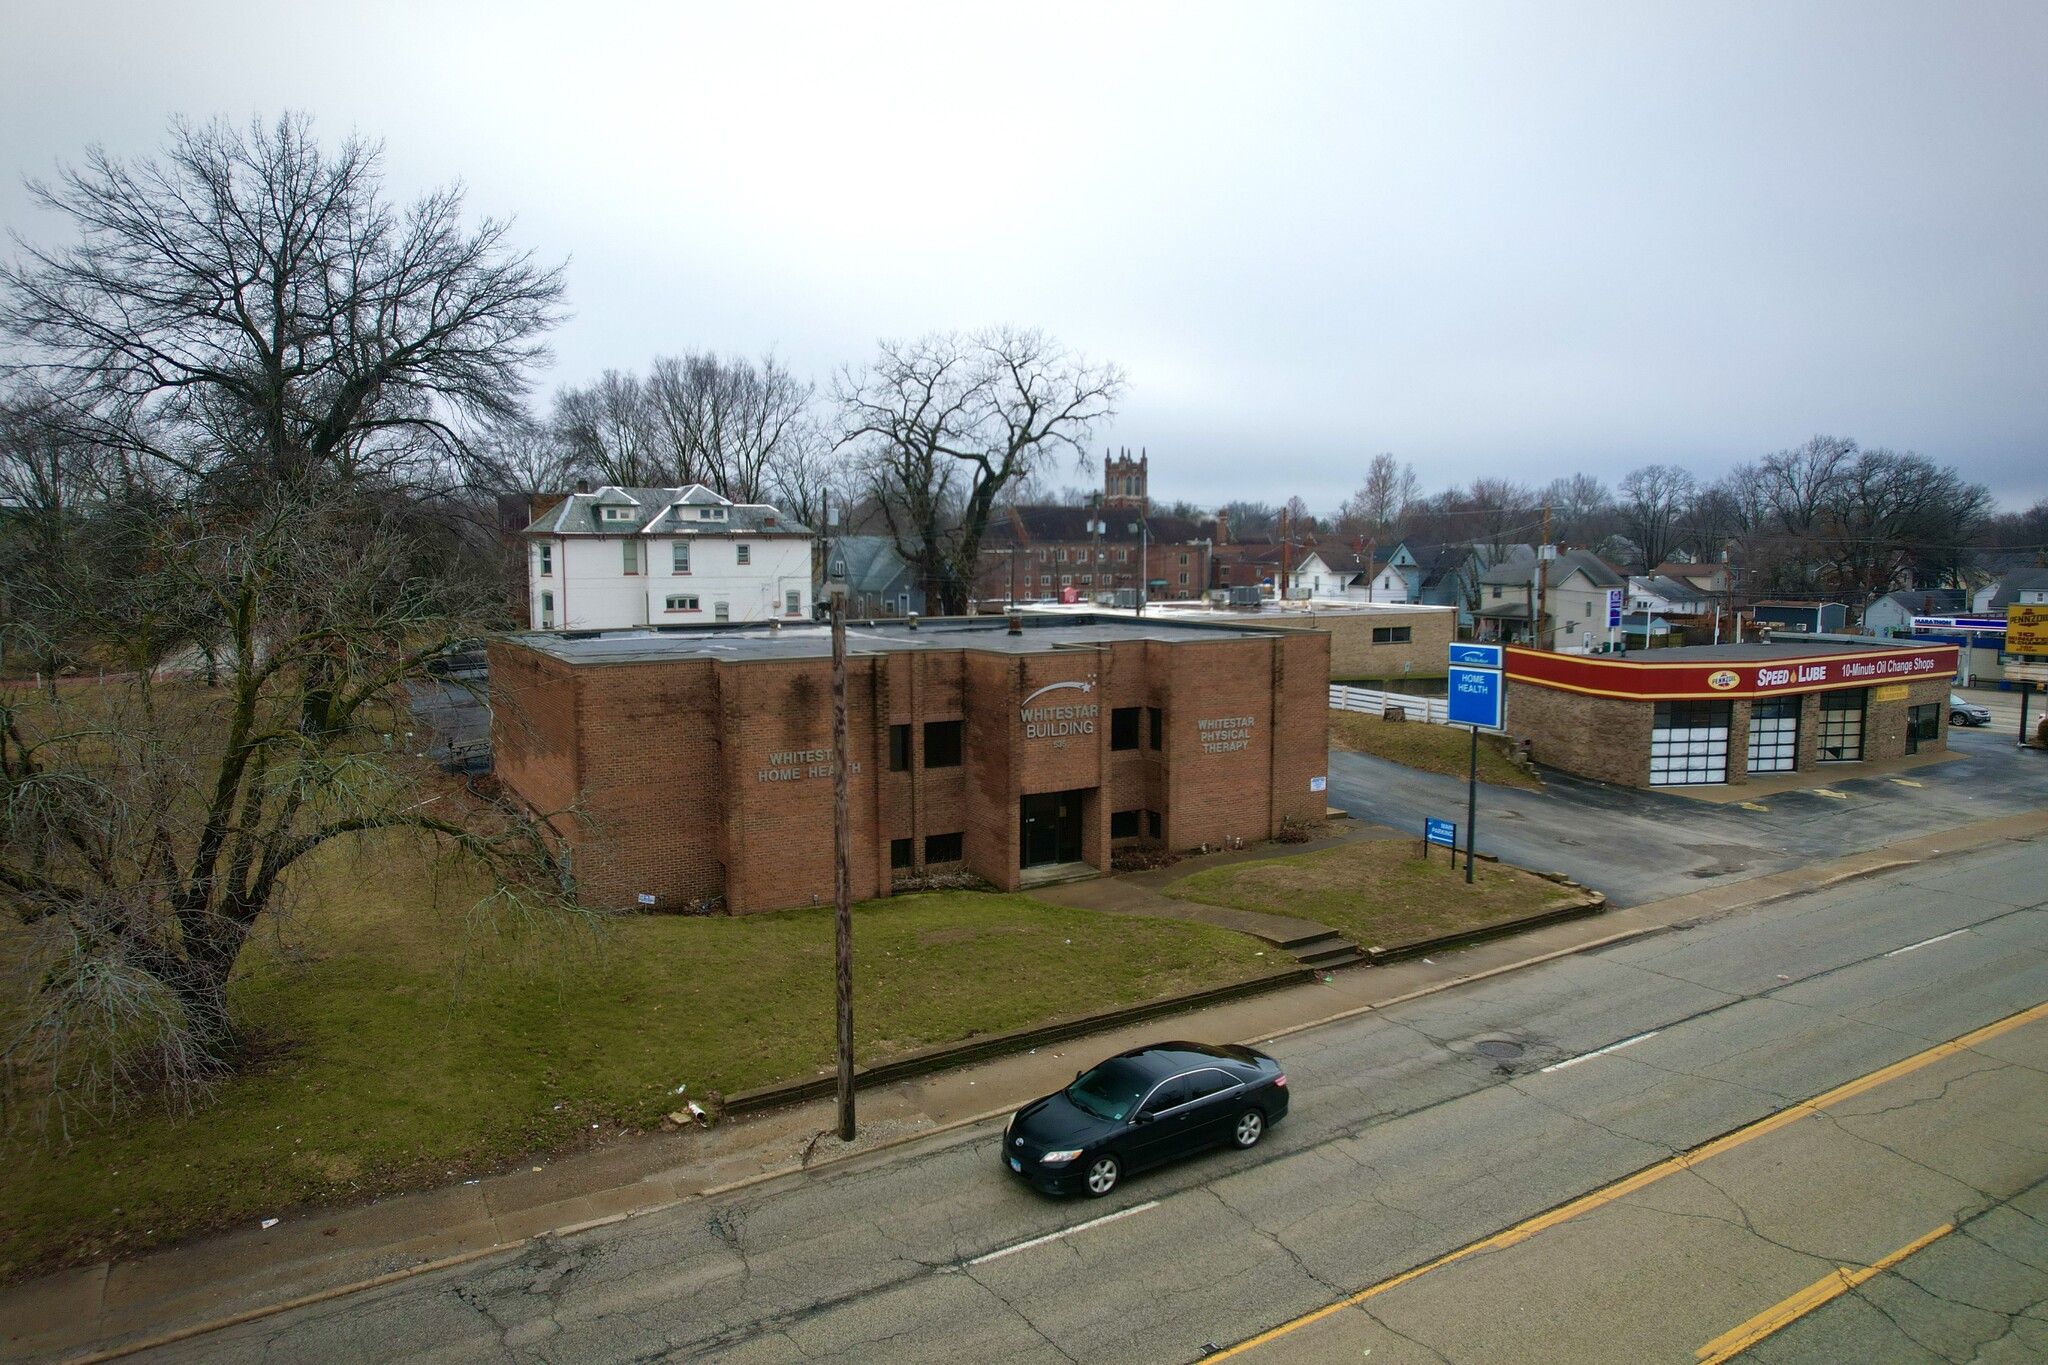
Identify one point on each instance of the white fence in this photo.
(1433, 709)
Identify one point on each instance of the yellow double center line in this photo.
(1650, 1175)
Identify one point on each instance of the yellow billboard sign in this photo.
(2026, 629)
(1889, 692)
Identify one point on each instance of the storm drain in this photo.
(1499, 1049)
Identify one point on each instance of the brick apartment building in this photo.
(1042, 553)
(701, 761)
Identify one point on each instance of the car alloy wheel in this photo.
(1102, 1176)
(1251, 1126)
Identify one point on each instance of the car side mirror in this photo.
(1144, 1117)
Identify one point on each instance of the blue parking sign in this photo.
(1476, 696)
(1440, 832)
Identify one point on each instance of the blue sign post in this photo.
(1442, 833)
(1478, 697)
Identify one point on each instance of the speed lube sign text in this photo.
(1226, 734)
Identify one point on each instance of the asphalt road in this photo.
(1639, 846)
(1416, 1131)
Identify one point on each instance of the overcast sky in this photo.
(1516, 240)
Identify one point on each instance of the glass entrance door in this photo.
(1051, 829)
(1841, 726)
(1923, 723)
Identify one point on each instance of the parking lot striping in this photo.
(1063, 1232)
(1826, 1289)
(1602, 1052)
(1938, 938)
(1908, 782)
(1650, 1175)
(1752, 805)
(1831, 793)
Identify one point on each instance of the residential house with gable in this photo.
(617, 558)
(1573, 610)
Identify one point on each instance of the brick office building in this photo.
(701, 762)
(1726, 713)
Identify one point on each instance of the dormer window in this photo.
(617, 514)
(711, 514)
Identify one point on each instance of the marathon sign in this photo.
(1640, 678)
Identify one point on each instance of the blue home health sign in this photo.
(1475, 697)
(1440, 832)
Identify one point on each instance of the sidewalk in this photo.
(108, 1310)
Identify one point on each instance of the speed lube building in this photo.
(699, 764)
(1727, 713)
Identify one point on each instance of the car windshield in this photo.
(1110, 1091)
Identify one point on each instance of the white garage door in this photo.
(1689, 744)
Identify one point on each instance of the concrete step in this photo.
(1056, 874)
(1327, 950)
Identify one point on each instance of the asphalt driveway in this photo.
(1639, 846)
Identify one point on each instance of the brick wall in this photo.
(1354, 655)
(1604, 738)
(704, 777)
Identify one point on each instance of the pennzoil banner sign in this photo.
(2026, 630)
(1638, 679)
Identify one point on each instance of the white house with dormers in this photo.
(623, 557)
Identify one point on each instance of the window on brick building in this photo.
(1087, 580)
(745, 553)
(942, 743)
(945, 848)
(683, 602)
(1045, 580)
(899, 853)
(1123, 727)
(1123, 824)
(629, 553)
(1183, 580)
(547, 560)
(899, 748)
(681, 552)
(1066, 580)
(1157, 720)
(1393, 635)
(1152, 824)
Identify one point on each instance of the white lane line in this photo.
(1063, 1232)
(1925, 941)
(1611, 1047)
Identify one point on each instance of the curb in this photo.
(1003, 1044)
(1593, 904)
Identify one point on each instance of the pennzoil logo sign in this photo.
(1723, 680)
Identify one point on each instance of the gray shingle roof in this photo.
(2010, 587)
(1568, 562)
(666, 511)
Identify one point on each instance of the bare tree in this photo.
(1653, 498)
(1581, 509)
(246, 311)
(943, 425)
(1252, 520)
(1390, 488)
(272, 364)
(605, 432)
(728, 422)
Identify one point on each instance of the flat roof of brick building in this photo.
(989, 634)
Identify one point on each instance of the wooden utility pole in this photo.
(1542, 574)
(842, 849)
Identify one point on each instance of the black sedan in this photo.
(1141, 1108)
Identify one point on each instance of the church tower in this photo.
(1123, 481)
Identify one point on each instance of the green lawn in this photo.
(398, 1050)
(1433, 748)
(1379, 894)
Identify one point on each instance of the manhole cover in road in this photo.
(1500, 1049)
